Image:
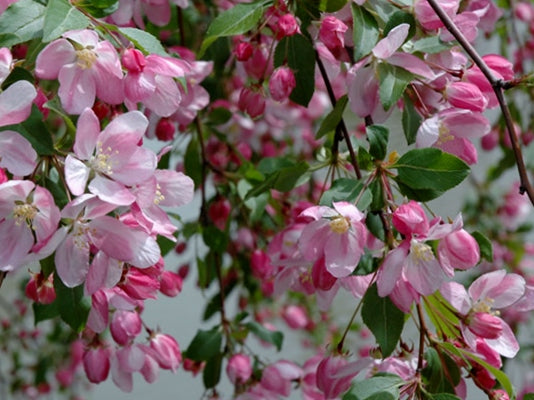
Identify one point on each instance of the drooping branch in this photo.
(498, 86)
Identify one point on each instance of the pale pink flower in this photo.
(428, 18)
(86, 68)
(239, 368)
(170, 283)
(17, 154)
(112, 156)
(150, 80)
(6, 61)
(336, 233)
(16, 102)
(334, 375)
(458, 250)
(278, 377)
(124, 362)
(28, 222)
(466, 95)
(491, 291)
(295, 316)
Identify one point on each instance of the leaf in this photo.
(411, 121)
(211, 375)
(401, 17)
(21, 22)
(384, 320)
(193, 162)
(298, 53)
(345, 189)
(377, 191)
(331, 6)
(378, 141)
(429, 45)
(365, 31)
(273, 337)
(445, 396)
(435, 374)
(430, 169)
(377, 386)
(61, 17)
(215, 239)
(234, 21)
(373, 222)
(205, 345)
(143, 41)
(528, 396)
(43, 312)
(486, 248)
(73, 307)
(283, 180)
(333, 118)
(98, 8)
(393, 82)
(307, 11)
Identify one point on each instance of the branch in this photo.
(498, 85)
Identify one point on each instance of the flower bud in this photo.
(170, 283)
(133, 60)
(165, 130)
(260, 264)
(410, 218)
(239, 368)
(41, 289)
(287, 26)
(295, 317)
(166, 351)
(485, 325)
(332, 33)
(243, 51)
(251, 102)
(466, 95)
(125, 326)
(458, 250)
(96, 364)
(282, 83)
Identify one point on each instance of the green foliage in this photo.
(332, 120)
(61, 17)
(374, 388)
(384, 320)
(211, 375)
(205, 345)
(486, 248)
(297, 52)
(274, 337)
(365, 31)
(280, 174)
(345, 189)
(73, 307)
(143, 41)
(98, 8)
(21, 22)
(398, 18)
(393, 82)
(411, 121)
(378, 141)
(441, 372)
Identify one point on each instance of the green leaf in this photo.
(421, 195)
(393, 82)
(255, 204)
(43, 312)
(429, 45)
(284, 179)
(528, 396)
(165, 245)
(331, 6)
(445, 396)
(211, 374)
(98, 8)
(435, 374)
(193, 162)
(307, 11)
(378, 141)
(18, 74)
(72, 306)
(21, 22)
(215, 239)
(411, 120)
(273, 337)
(401, 17)
(205, 345)
(143, 41)
(430, 169)
(297, 52)
(486, 248)
(332, 120)
(58, 192)
(384, 320)
(365, 31)
(377, 191)
(439, 311)
(61, 17)
(373, 222)
(234, 21)
(345, 189)
(377, 386)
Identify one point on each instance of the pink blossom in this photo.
(17, 154)
(336, 233)
(170, 283)
(96, 364)
(281, 83)
(428, 18)
(466, 95)
(252, 102)
(139, 286)
(410, 219)
(41, 289)
(491, 291)
(458, 250)
(86, 68)
(239, 368)
(243, 51)
(335, 374)
(332, 32)
(278, 377)
(166, 351)
(286, 26)
(16, 102)
(113, 156)
(125, 326)
(295, 317)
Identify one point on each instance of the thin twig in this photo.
(498, 85)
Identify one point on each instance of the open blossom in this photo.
(28, 222)
(112, 159)
(335, 374)
(86, 68)
(17, 154)
(337, 233)
(478, 309)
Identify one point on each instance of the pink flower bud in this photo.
(524, 11)
(239, 368)
(485, 325)
(133, 60)
(277, 377)
(166, 351)
(458, 250)
(282, 83)
(332, 33)
(335, 374)
(41, 289)
(295, 317)
(165, 130)
(139, 286)
(466, 95)
(3, 175)
(252, 102)
(287, 26)
(170, 283)
(96, 364)
(219, 211)
(243, 51)
(260, 264)
(322, 279)
(125, 326)
(490, 141)
(410, 219)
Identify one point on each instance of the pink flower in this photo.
(428, 18)
(86, 68)
(332, 32)
(338, 234)
(17, 154)
(170, 283)
(96, 364)
(150, 80)
(166, 351)
(295, 317)
(252, 102)
(239, 368)
(335, 374)
(41, 289)
(243, 51)
(466, 95)
(410, 219)
(287, 26)
(112, 156)
(458, 250)
(16, 102)
(281, 83)
(125, 326)
(278, 377)
(491, 291)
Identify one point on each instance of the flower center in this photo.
(484, 306)
(339, 224)
(24, 213)
(444, 135)
(421, 251)
(159, 197)
(85, 58)
(101, 162)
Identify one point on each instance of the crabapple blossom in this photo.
(17, 154)
(335, 374)
(239, 368)
(96, 363)
(40, 288)
(165, 351)
(332, 32)
(281, 83)
(86, 68)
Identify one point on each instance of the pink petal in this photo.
(424, 276)
(16, 102)
(456, 294)
(133, 124)
(140, 166)
(72, 259)
(53, 57)
(17, 154)
(17, 241)
(389, 45)
(111, 191)
(391, 270)
(46, 220)
(76, 175)
(104, 272)
(506, 344)
(87, 131)
(77, 89)
(504, 289)
(177, 188)
(166, 99)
